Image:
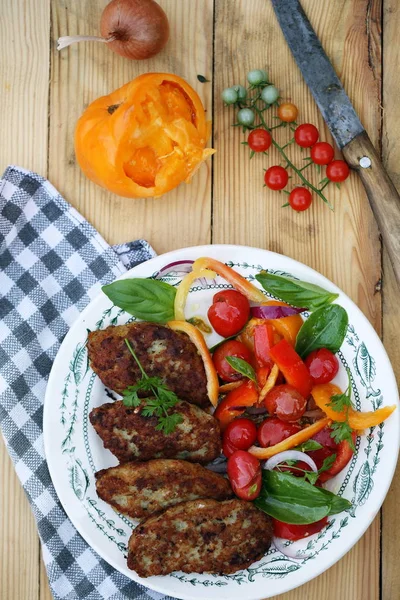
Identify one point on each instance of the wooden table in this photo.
(43, 92)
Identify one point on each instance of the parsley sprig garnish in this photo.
(342, 431)
(156, 406)
(312, 476)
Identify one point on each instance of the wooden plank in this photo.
(24, 76)
(82, 73)
(343, 245)
(391, 308)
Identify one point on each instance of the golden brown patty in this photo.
(141, 489)
(130, 436)
(162, 352)
(200, 536)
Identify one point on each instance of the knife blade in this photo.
(343, 122)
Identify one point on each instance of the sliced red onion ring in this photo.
(290, 455)
(275, 312)
(288, 551)
(180, 268)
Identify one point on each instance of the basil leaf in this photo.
(297, 293)
(291, 499)
(337, 503)
(324, 328)
(308, 446)
(147, 299)
(242, 367)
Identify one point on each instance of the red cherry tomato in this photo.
(323, 365)
(230, 348)
(273, 430)
(324, 438)
(288, 112)
(337, 171)
(227, 448)
(276, 178)
(241, 434)
(300, 199)
(244, 472)
(259, 140)
(306, 135)
(285, 402)
(229, 312)
(322, 153)
(291, 532)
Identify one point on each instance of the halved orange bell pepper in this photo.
(145, 138)
(358, 421)
(237, 281)
(198, 340)
(231, 406)
(293, 368)
(294, 440)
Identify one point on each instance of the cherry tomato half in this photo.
(322, 153)
(273, 430)
(276, 177)
(230, 348)
(239, 435)
(244, 472)
(287, 112)
(300, 199)
(291, 532)
(323, 365)
(229, 312)
(337, 171)
(234, 404)
(259, 140)
(306, 135)
(285, 402)
(344, 452)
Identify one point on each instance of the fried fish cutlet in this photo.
(200, 536)
(130, 436)
(162, 353)
(142, 489)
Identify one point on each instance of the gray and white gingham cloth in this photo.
(52, 263)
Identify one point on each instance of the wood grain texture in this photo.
(86, 71)
(336, 244)
(391, 306)
(24, 79)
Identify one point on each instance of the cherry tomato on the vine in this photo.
(244, 472)
(322, 153)
(337, 171)
(273, 430)
(323, 365)
(276, 177)
(300, 199)
(285, 402)
(230, 348)
(259, 140)
(229, 312)
(288, 112)
(239, 435)
(306, 135)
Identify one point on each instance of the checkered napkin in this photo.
(52, 263)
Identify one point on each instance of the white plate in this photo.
(74, 451)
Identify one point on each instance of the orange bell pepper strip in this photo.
(198, 340)
(228, 387)
(294, 440)
(288, 327)
(184, 288)
(293, 368)
(237, 281)
(235, 402)
(358, 421)
(269, 384)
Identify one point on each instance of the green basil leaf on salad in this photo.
(147, 299)
(242, 367)
(324, 328)
(294, 292)
(294, 500)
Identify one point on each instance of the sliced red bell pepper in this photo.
(263, 342)
(292, 367)
(262, 374)
(231, 406)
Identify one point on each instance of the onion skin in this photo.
(135, 29)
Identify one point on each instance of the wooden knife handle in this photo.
(382, 195)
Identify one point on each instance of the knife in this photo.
(343, 122)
